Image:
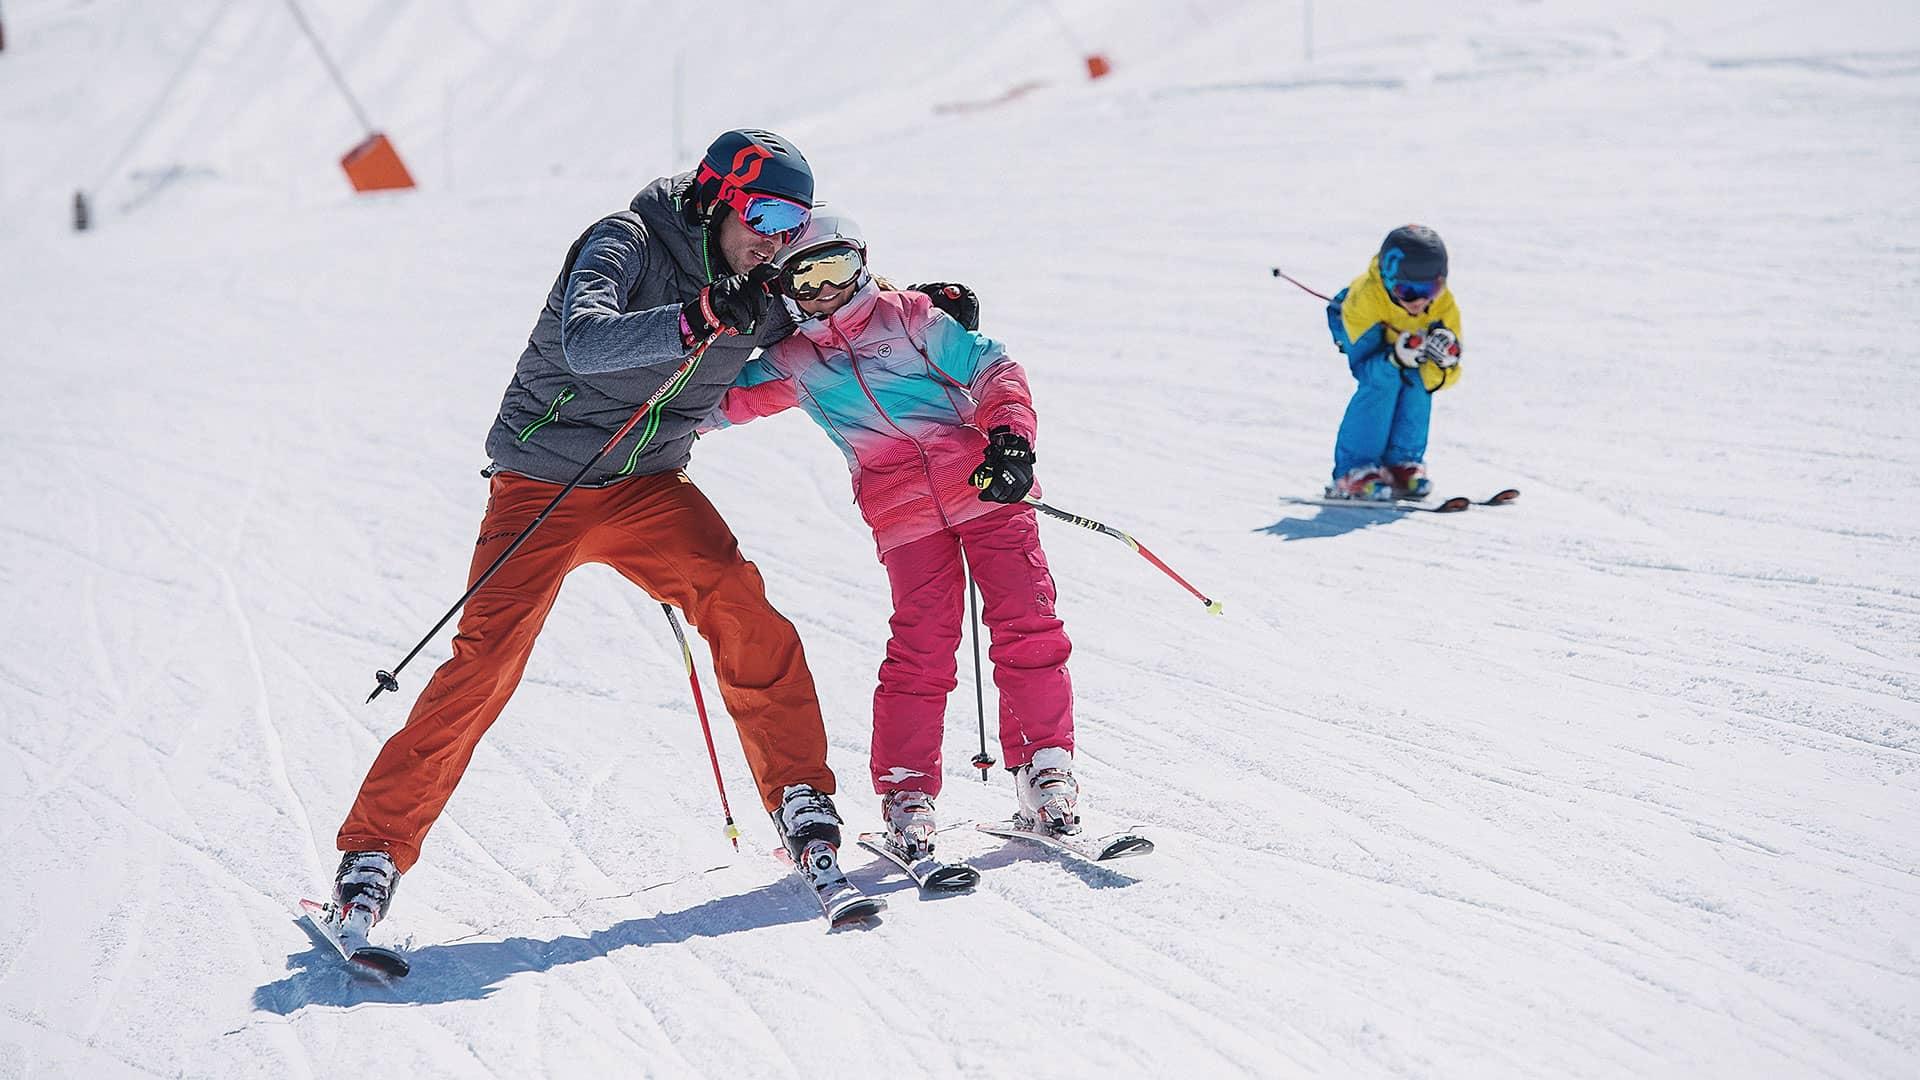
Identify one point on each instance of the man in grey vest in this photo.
(639, 293)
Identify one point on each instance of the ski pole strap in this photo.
(1213, 606)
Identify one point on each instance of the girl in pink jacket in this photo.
(937, 425)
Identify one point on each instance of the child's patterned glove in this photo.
(1442, 347)
(1410, 349)
(1006, 474)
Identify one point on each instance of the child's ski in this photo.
(931, 874)
(841, 901)
(352, 944)
(1402, 506)
(1447, 506)
(1099, 849)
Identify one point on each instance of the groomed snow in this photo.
(1622, 780)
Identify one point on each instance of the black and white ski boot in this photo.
(362, 891)
(809, 828)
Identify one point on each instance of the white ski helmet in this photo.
(819, 257)
(822, 231)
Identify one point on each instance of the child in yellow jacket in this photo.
(1400, 329)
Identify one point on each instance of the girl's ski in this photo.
(931, 874)
(1099, 849)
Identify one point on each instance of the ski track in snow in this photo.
(1617, 781)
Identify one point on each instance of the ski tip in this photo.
(952, 878)
(381, 962)
(1503, 496)
(866, 909)
(1124, 846)
(1453, 505)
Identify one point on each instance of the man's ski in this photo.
(841, 901)
(1099, 849)
(931, 874)
(1501, 497)
(352, 943)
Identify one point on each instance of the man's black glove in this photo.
(954, 299)
(731, 305)
(1007, 473)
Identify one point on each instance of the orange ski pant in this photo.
(663, 535)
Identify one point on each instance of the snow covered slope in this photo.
(1619, 781)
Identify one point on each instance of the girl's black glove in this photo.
(954, 299)
(1006, 475)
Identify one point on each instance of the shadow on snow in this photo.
(473, 970)
(1331, 521)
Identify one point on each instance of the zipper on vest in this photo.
(553, 413)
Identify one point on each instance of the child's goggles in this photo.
(829, 268)
(1416, 290)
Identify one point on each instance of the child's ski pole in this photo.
(700, 706)
(982, 760)
(1088, 523)
(1284, 276)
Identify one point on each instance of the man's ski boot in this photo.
(910, 824)
(809, 826)
(1368, 483)
(1049, 795)
(363, 889)
(1410, 481)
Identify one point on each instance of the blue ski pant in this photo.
(1386, 421)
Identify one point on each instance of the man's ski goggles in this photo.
(768, 215)
(829, 268)
(1408, 291)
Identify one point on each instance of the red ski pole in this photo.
(700, 706)
(1213, 606)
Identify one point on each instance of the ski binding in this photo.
(841, 901)
(351, 942)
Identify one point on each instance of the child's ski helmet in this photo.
(1412, 253)
(806, 263)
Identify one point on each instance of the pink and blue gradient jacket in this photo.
(905, 393)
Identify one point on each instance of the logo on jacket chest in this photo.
(885, 350)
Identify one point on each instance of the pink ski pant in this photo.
(1029, 647)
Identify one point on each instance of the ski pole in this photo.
(1283, 275)
(385, 680)
(1213, 606)
(982, 760)
(700, 706)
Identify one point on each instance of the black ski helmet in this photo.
(754, 161)
(1412, 253)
